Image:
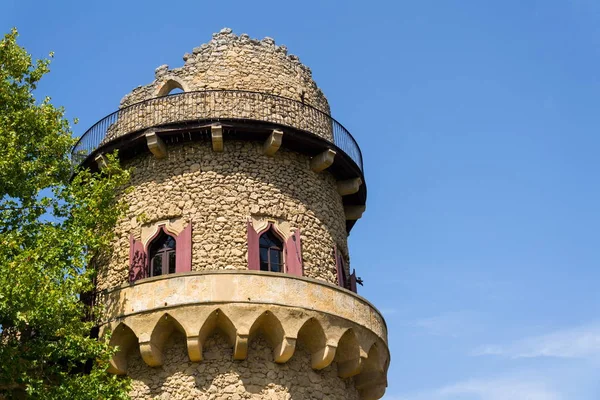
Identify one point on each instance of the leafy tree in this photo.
(51, 229)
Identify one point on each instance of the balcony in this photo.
(334, 324)
(215, 106)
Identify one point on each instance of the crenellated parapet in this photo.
(338, 328)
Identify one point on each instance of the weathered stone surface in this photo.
(220, 377)
(217, 193)
(222, 332)
(231, 62)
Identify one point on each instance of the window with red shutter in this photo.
(341, 268)
(137, 260)
(165, 254)
(253, 253)
(293, 255)
(183, 251)
(270, 251)
(267, 251)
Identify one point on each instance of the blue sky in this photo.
(478, 123)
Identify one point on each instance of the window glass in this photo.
(264, 259)
(162, 255)
(271, 252)
(172, 262)
(157, 265)
(275, 259)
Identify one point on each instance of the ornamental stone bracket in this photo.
(273, 143)
(339, 327)
(349, 186)
(156, 145)
(322, 161)
(101, 161)
(216, 133)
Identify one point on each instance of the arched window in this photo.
(271, 252)
(162, 255)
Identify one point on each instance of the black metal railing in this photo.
(216, 105)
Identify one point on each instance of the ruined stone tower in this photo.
(229, 276)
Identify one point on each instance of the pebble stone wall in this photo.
(218, 192)
(230, 62)
(218, 377)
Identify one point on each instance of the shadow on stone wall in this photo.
(219, 377)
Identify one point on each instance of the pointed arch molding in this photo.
(335, 326)
(281, 227)
(172, 226)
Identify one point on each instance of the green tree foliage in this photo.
(52, 228)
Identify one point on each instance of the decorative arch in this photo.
(313, 337)
(167, 226)
(372, 381)
(348, 355)
(269, 326)
(125, 340)
(171, 83)
(152, 351)
(217, 321)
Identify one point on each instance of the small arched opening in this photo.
(171, 86)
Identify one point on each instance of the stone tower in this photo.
(229, 276)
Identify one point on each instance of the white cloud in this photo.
(581, 342)
(481, 389)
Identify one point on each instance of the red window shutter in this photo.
(183, 250)
(339, 265)
(137, 260)
(293, 254)
(253, 248)
(353, 281)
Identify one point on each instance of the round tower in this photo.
(229, 277)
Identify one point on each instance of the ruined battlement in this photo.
(232, 62)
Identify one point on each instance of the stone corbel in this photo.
(323, 358)
(373, 392)
(216, 132)
(117, 366)
(349, 368)
(349, 186)
(284, 350)
(240, 349)
(273, 143)
(151, 354)
(101, 161)
(373, 378)
(322, 161)
(194, 348)
(354, 212)
(156, 145)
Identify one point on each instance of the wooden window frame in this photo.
(166, 253)
(280, 249)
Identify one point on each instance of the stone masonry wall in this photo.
(231, 62)
(218, 192)
(219, 377)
